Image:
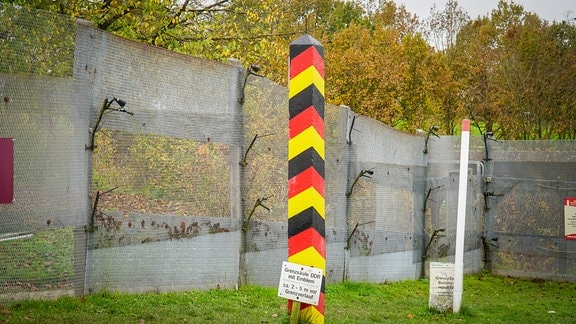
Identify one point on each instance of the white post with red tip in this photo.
(461, 218)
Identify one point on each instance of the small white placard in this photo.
(441, 286)
(300, 283)
(570, 218)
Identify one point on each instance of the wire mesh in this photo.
(37, 240)
(191, 190)
(524, 202)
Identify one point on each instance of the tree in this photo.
(510, 71)
(475, 59)
(518, 74)
(383, 70)
(45, 47)
(364, 71)
(562, 38)
(443, 26)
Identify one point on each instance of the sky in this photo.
(550, 10)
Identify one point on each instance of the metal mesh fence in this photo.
(37, 241)
(441, 204)
(190, 189)
(265, 150)
(142, 173)
(165, 175)
(381, 215)
(155, 194)
(524, 204)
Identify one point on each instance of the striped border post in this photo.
(306, 215)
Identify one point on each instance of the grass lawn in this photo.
(43, 261)
(486, 299)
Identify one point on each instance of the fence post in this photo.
(461, 217)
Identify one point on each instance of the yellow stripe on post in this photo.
(306, 199)
(306, 139)
(311, 257)
(302, 81)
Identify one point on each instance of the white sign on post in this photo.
(300, 283)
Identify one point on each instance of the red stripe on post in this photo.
(306, 239)
(306, 59)
(465, 125)
(304, 180)
(308, 117)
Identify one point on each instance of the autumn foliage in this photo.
(510, 71)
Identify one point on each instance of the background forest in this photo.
(511, 72)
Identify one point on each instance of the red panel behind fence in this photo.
(6, 170)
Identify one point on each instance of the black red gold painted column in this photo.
(306, 214)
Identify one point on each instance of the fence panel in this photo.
(189, 190)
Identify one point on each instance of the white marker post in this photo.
(461, 218)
